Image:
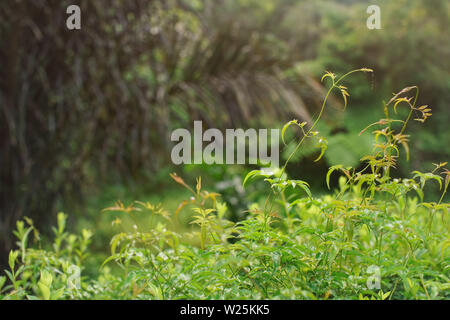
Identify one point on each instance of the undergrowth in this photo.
(372, 238)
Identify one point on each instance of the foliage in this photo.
(79, 110)
(410, 36)
(292, 245)
(81, 107)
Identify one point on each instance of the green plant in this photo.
(372, 238)
(44, 273)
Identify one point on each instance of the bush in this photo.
(373, 238)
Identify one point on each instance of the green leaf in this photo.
(2, 282)
(330, 171)
(424, 177)
(12, 259)
(261, 173)
(61, 218)
(58, 294)
(323, 144)
(250, 175)
(44, 284)
(328, 74)
(113, 257)
(287, 125)
(45, 291)
(419, 192)
(303, 185)
(115, 241)
(385, 295)
(10, 276)
(46, 278)
(344, 95)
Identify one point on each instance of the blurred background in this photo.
(86, 115)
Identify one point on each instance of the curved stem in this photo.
(309, 131)
(411, 111)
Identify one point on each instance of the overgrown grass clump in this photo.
(373, 238)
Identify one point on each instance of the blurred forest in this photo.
(80, 110)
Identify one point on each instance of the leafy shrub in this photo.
(64, 128)
(409, 37)
(290, 246)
